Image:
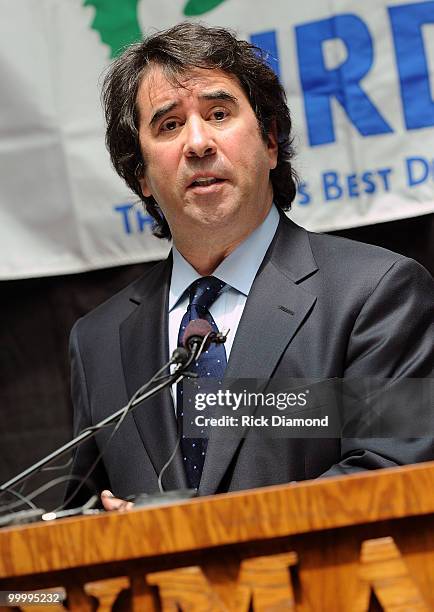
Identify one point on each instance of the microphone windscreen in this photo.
(197, 329)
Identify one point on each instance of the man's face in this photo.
(206, 163)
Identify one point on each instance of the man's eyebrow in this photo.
(219, 94)
(162, 111)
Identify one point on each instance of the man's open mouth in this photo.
(205, 182)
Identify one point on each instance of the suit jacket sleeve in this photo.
(393, 338)
(87, 470)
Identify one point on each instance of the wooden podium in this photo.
(355, 543)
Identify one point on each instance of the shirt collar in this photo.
(238, 269)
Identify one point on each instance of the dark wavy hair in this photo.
(177, 51)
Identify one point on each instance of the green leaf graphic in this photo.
(116, 22)
(199, 7)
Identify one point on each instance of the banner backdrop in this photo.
(359, 78)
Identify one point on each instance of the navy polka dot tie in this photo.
(211, 364)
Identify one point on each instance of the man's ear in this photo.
(273, 145)
(144, 187)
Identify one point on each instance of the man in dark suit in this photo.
(199, 128)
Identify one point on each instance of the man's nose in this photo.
(199, 139)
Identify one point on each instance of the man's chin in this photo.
(214, 217)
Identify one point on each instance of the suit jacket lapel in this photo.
(144, 348)
(276, 308)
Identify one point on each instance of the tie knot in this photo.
(205, 291)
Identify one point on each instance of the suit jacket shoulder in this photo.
(114, 310)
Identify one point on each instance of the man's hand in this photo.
(110, 502)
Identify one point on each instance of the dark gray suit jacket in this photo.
(320, 307)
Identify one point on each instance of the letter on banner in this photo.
(320, 84)
(267, 42)
(407, 22)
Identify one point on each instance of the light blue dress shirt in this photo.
(237, 270)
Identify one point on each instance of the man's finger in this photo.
(110, 502)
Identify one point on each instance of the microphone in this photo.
(197, 332)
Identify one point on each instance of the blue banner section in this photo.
(133, 218)
(407, 21)
(320, 84)
(267, 42)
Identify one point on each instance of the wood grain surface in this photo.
(259, 514)
(308, 547)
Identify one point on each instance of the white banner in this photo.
(360, 83)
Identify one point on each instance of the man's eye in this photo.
(169, 126)
(219, 115)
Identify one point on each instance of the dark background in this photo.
(36, 318)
